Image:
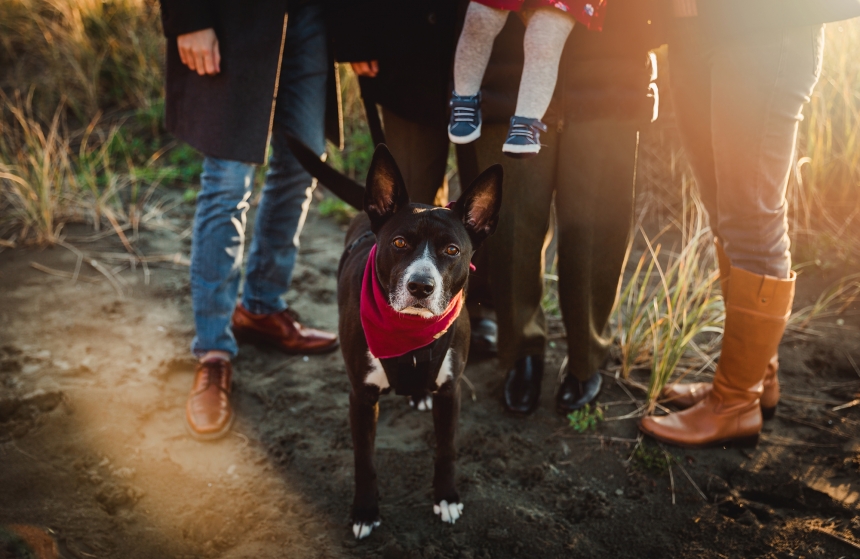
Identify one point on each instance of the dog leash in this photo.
(415, 357)
(377, 134)
(425, 354)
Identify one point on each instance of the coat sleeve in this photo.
(354, 26)
(749, 16)
(185, 16)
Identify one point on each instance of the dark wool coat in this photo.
(602, 74)
(413, 41)
(229, 115)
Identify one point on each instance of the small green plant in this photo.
(189, 196)
(550, 301)
(354, 159)
(650, 458)
(186, 163)
(586, 418)
(336, 209)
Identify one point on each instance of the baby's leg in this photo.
(546, 35)
(480, 28)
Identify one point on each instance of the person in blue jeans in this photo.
(244, 81)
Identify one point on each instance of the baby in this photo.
(546, 33)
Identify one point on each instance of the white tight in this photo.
(546, 33)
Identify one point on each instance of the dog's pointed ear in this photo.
(479, 205)
(385, 192)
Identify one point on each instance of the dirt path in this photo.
(92, 443)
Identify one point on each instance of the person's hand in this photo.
(199, 51)
(367, 69)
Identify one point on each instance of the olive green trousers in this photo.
(589, 168)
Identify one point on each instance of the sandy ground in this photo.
(93, 445)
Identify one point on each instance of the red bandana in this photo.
(390, 333)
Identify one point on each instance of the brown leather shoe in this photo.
(24, 541)
(683, 396)
(757, 310)
(281, 330)
(208, 413)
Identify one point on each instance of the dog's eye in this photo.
(452, 250)
(399, 242)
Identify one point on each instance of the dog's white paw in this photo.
(363, 529)
(425, 404)
(448, 512)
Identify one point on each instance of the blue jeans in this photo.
(738, 102)
(226, 186)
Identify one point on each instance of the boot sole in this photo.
(467, 139)
(205, 437)
(750, 441)
(520, 151)
(258, 339)
(766, 413)
(520, 155)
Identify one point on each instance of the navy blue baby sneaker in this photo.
(523, 137)
(465, 124)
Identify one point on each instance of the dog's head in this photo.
(423, 252)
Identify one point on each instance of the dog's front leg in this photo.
(446, 412)
(363, 413)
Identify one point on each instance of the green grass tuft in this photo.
(336, 209)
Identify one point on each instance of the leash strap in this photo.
(371, 113)
(417, 357)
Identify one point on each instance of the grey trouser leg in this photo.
(421, 152)
(590, 169)
(738, 103)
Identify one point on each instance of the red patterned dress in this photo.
(587, 12)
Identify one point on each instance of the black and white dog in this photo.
(401, 284)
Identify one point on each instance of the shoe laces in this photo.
(464, 113)
(529, 128)
(215, 370)
(522, 130)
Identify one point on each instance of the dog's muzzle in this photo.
(421, 286)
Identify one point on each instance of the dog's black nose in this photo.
(421, 286)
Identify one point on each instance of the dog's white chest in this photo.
(377, 377)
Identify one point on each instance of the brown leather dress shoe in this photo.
(208, 413)
(24, 541)
(281, 330)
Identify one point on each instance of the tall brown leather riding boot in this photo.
(683, 396)
(757, 310)
(687, 395)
